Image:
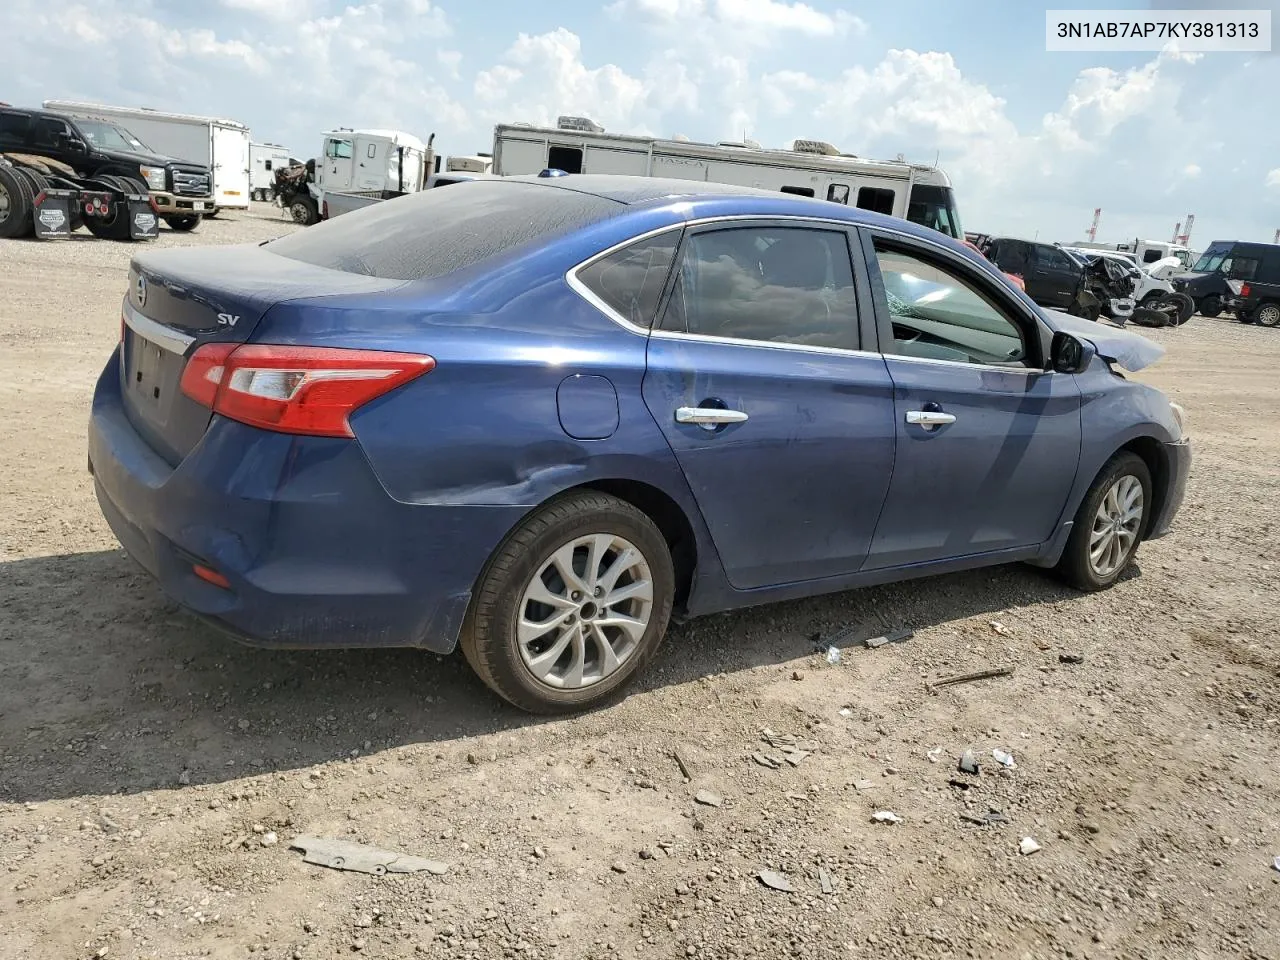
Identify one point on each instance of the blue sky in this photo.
(1033, 140)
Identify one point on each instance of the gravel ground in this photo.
(152, 774)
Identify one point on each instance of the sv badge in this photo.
(227, 319)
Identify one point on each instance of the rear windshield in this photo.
(435, 232)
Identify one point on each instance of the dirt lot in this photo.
(146, 764)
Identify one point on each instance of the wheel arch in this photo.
(1151, 451)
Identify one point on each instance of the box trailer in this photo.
(219, 144)
(811, 168)
(264, 160)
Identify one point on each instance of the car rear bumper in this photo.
(314, 551)
(1178, 460)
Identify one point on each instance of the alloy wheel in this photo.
(1115, 526)
(585, 611)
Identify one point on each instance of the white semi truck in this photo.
(811, 168)
(219, 144)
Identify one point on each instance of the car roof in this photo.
(717, 199)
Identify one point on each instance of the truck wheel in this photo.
(16, 204)
(183, 224)
(1267, 315)
(1209, 306)
(304, 211)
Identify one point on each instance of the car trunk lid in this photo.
(178, 301)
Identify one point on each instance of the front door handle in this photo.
(709, 416)
(930, 418)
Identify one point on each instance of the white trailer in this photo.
(811, 168)
(1145, 252)
(219, 144)
(264, 160)
(476, 163)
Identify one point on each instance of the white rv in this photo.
(220, 145)
(811, 168)
(264, 160)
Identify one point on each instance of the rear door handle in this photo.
(709, 416)
(930, 418)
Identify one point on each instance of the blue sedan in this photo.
(538, 417)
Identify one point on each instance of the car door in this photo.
(988, 442)
(1058, 276)
(781, 422)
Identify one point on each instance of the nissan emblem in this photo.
(140, 290)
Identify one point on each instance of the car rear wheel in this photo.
(572, 605)
(1109, 525)
(1268, 315)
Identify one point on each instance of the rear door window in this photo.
(435, 232)
(768, 284)
(629, 281)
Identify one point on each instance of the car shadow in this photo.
(109, 688)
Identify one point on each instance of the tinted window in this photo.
(798, 191)
(1055, 259)
(934, 207)
(876, 199)
(45, 131)
(781, 285)
(939, 315)
(434, 232)
(630, 280)
(14, 126)
(1241, 268)
(1151, 256)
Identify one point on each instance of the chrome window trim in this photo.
(576, 284)
(166, 338)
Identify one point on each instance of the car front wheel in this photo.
(572, 605)
(1109, 525)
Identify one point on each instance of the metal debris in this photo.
(901, 635)
(1028, 846)
(345, 855)
(1004, 758)
(776, 881)
(886, 816)
(828, 887)
(708, 799)
(969, 678)
(969, 764)
(1276, 863)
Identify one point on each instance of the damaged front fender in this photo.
(1128, 350)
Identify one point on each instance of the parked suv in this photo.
(1207, 281)
(1254, 281)
(96, 148)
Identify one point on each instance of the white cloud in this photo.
(450, 60)
(735, 23)
(1191, 170)
(1273, 178)
(285, 11)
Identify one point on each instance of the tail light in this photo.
(324, 210)
(303, 390)
(1244, 289)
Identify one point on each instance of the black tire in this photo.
(1186, 306)
(1209, 306)
(489, 638)
(1149, 317)
(117, 227)
(1267, 314)
(212, 212)
(1075, 566)
(303, 210)
(17, 203)
(183, 224)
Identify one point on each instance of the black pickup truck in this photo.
(102, 164)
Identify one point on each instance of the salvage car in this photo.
(539, 417)
(1056, 279)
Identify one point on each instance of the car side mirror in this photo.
(73, 144)
(1068, 354)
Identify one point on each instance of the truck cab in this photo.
(381, 162)
(1208, 280)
